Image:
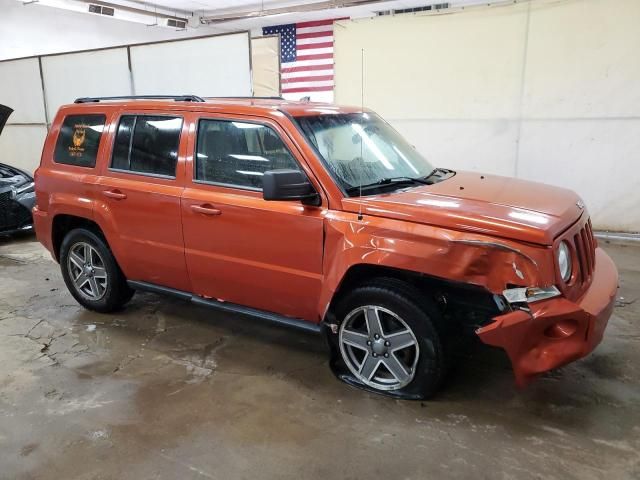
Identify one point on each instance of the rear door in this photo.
(139, 196)
(239, 247)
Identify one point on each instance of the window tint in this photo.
(79, 139)
(237, 153)
(147, 144)
(123, 143)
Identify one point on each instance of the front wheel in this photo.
(388, 341)
(91, 272)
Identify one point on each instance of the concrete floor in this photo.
(165, 389)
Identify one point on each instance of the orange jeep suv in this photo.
(324, 218)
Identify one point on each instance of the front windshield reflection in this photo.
(362, 149)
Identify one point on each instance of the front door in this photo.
(239, 247)
(139, 195)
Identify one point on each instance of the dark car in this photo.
(17, 195)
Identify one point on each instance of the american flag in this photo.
(306, 59)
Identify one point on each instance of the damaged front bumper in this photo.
(556, 331)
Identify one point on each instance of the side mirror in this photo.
(288, 184)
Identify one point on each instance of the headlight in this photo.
(27, 187)
(564, 261)
(530, 295)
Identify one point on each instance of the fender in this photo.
(84, 205)
(69, 204)
(52, 201)
(63, 203)
(447, 254)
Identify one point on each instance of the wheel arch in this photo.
(63, 223)
(472, 305)
(362, 272)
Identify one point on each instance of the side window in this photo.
(147, 144)
(79, 139)
(238, 153)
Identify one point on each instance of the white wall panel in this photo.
(546, 90)
(434, 67)
(597, 158)
(581, 106)
(21, 89)
(448, 143)
(213, 66)
(86, 74)
(21, 145)
(583, 60)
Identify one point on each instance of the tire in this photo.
(91, 272)
(405, 316)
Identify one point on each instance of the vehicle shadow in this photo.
(18, 237)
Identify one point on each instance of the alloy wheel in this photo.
(87, 271)
(378, 347)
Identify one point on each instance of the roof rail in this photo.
(239, 97)
(177, 98)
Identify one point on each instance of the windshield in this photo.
(363, 149)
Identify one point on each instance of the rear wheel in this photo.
(91, 273)
(388, 341)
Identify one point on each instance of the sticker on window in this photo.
(79, 140)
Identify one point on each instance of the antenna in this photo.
(362, 112)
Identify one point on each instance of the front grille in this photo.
(585, 245)
(12, 214)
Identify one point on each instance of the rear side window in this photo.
(147, 144)
(238, 153)
(79, 140)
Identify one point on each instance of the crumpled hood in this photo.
(488, 204)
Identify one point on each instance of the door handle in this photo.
(206, 209)
(117, 194)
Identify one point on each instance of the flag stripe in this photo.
(326, 29)
(314, 23)
(305, 68)
(324, 63)
(317, 51)
(327, 88)
(303, 36)
(315, 45)
(314, 83)
(315, 78)
(314, 41)
(320, 56)
(309, 73)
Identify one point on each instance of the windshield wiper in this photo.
(438, 173)
(387, 181)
